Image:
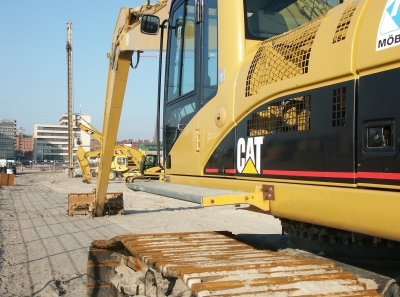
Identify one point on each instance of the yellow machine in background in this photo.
(91, 130)
(129, 163)
(144, 165)
(118, 166)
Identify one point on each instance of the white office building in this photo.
(50, 142)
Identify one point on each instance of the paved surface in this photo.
(44, 253)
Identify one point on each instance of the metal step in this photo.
(182, 192)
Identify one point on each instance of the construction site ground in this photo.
(43, 252)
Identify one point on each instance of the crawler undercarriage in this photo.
(210, 264)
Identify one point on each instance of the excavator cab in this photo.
(121, 163)
(149, 161)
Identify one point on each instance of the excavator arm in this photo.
(83, 157)
(92, 131)
(127, 39)
(83, 162)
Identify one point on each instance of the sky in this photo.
(34, 70)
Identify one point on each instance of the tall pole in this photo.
(70, 138)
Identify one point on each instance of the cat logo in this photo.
(249, 155)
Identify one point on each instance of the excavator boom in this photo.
(126, 39)
(92, 131)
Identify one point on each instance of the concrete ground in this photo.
(43, 252)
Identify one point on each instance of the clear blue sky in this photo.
(33, 65)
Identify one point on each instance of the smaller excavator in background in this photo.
(118, 165)
(127, 162)
(139, 164)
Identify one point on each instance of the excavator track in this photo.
(211, 263)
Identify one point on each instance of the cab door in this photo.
(188, 84)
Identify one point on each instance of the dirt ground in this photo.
(43, 252)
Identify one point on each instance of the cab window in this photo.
(265, 19)
(181, 56)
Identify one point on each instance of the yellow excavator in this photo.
(139, 165)
(129, 163)
(289, 106)
(119, 165)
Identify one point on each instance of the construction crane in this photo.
(70, 136)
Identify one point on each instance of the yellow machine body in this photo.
(341, 47)
(232, 140)
(292, 103)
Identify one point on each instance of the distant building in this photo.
(21, 130)
(23, 146)
(149, 147)
(51, 141)
(128, 142)
(8, 129)
(133, 143)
